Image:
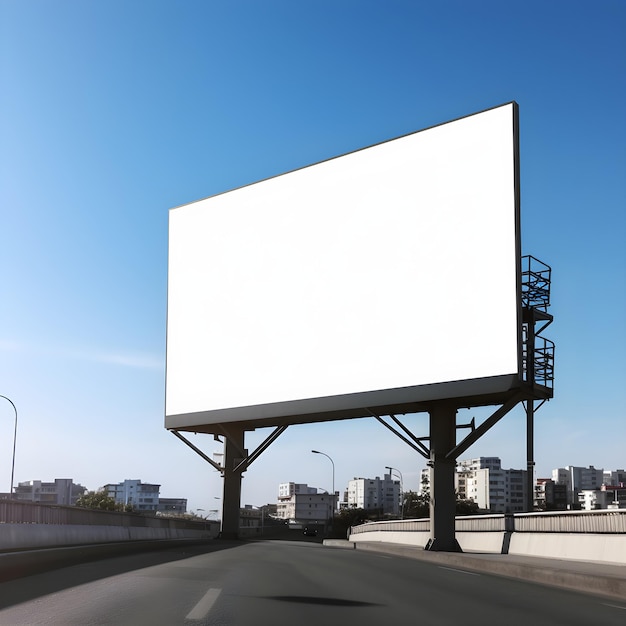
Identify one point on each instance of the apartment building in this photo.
(141, 496)
(607, 497)
(465, 469)
(173, 506)
(614, 477)
(549, 496)
(492, 488)
(498, 490)
(375, 494)
(298, 502)
(62, 491)
(610, 495)
(577, 479)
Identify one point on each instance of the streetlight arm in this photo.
(333, 464)
(391, 470)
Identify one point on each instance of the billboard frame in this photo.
(464, 393)
(441, 400)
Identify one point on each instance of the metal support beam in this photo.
(246, 462)
(236, 461)
(417, 445)
(417, 440)
(475, 435)
(197, 450)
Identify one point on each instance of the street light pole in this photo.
(333, 464)
(393, 469)
(14, 440)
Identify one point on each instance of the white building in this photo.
(141, 496)
(286, 490)
(62, 491)
(492, 488)
(298, 502)
(577, 479)
(610, 495)
(375, 494)
(498, 490)
(466, 468)
(607, 497)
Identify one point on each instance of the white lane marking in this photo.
(615, 606)
(461, 571)
(201, 610)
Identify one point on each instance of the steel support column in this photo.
(234, 453)
(442, 493)
(530, 455)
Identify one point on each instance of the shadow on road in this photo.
(30, 574)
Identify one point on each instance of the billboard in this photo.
(381, 277)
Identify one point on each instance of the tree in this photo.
(466, 507)
(416, 505)
(98, 500)
(346, 518)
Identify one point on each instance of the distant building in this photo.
(141, 496)
(374, 494)
(298, 502)
(498, 490)
(466, 469)
(549, 496)
(174, 506)
(62, 491)
(286, 490)
(250, 516)
(610, 495)
(492, 488)
(614, 477)
(577, 479)
(607, 497)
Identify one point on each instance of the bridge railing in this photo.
(603, 521)
(597, 522)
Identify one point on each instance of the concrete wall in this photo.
(23, 536)
(578, 546)
(607, 548)
(414, 538)
(469, 542)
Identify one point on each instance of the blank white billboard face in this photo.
(387, 268)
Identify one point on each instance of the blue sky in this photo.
(113, 112)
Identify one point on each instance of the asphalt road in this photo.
(296, 583)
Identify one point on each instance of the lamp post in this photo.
(333, 464)
(393, 469)
(14, 440)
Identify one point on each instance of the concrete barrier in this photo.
(491, 542)
(605, 548)
(577, 546)
(415, 538)
(28, 536)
